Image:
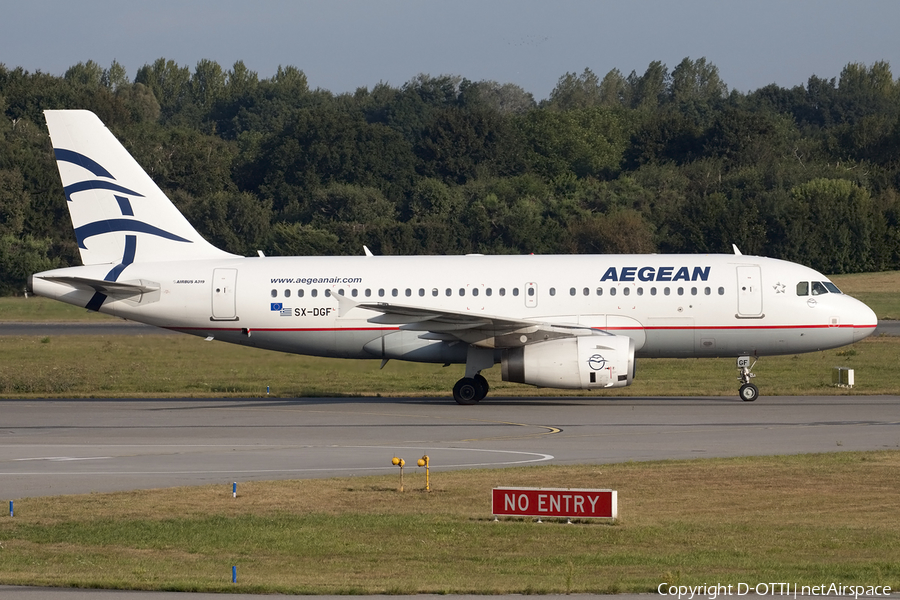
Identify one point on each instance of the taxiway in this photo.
(51, 447)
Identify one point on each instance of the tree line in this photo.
(663, 161)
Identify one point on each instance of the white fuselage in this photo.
(670, 305)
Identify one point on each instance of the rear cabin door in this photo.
(224, 285)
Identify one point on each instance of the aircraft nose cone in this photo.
(864, 322)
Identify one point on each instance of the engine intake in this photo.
(584, 362)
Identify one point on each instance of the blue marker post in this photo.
(267, 390)
(234, 490)
(233, 574)
(10, 508)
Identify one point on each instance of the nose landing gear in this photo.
(748, 391)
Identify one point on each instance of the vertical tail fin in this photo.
(120, 215)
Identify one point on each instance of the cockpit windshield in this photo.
(817, 288)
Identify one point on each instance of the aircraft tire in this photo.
(466, 391)
(749, 392)
(485, 387)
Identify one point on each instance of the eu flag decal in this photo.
(276, 306)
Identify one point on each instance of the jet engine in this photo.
(583, 362)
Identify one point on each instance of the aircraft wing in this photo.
(486, 331)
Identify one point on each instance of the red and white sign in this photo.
(554, 502)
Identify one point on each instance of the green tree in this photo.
(647, 91)
(576, 91)
(20, 256)
(586, 142)
(827, 224)
(234, 221)
(115, 77)
(614, 90)
(297, 239)
(207, 84)
(89, 73)
(169, 83)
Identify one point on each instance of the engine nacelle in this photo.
(584, 362)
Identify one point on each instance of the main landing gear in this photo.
(474, 387)
(470, 390)
(748, 391)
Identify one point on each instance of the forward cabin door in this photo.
(749, 279)
(224, 283)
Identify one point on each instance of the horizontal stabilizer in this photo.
(110, 288)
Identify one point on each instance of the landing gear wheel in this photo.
(485, 387)
(467, 391)
(749, 392)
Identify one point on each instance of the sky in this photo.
(342, 45)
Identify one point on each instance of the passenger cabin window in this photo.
(552, 292)
(274, 293)
(612, 291)
(314, 293)
(300, 293)
(474, 291)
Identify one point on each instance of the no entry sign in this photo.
(554, 502)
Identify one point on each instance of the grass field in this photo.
(802, 519)
(881, 291)
(186, 366)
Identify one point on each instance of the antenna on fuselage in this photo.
(736, 251)
(367, 251)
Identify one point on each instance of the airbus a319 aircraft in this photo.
(574, 322)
